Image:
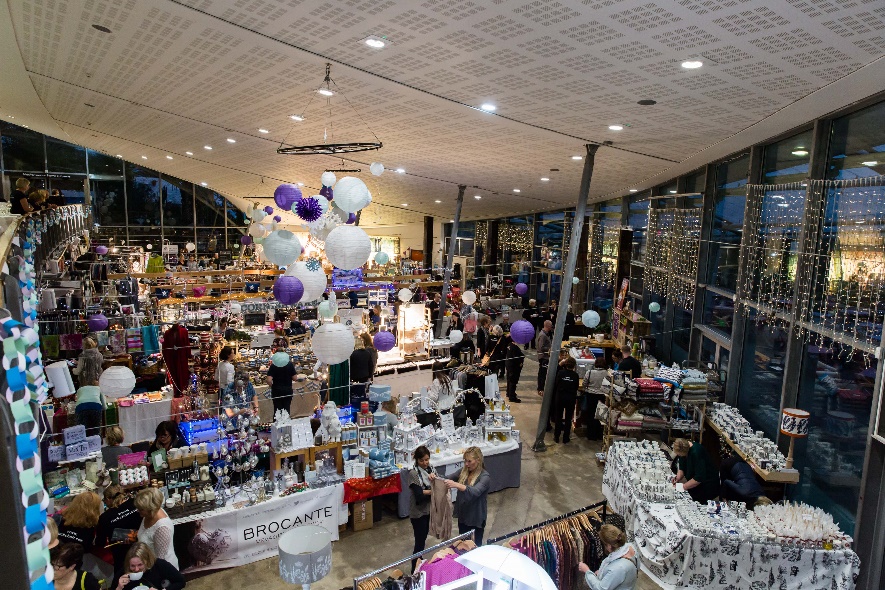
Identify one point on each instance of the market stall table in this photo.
(139, 421)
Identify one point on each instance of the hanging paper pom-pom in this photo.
(328, 179)
(654, 307)
(308, 209)
(382, 258)
(267, 210)
(377, 168)
(285, 196)
(521, 288)
(326, 191)
(313, 264)
(384, 341)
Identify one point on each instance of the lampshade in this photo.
(348, 247)
(794, 422)
(405, 295)
(59, 375)
(522, 332)
(521, 288)
(282, 247)
(327, 309)
(332, 343)
(313, 281)
(97, 322)
(351, 194)
(468, 297)
(288, 290)
(384, 341)
(376, 168)
(305, 555)
(456, 336)
(590, 319)
(117, 382)
(285, 196)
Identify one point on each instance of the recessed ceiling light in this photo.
(437, 201)
(692, 64)
(204, 183)
(189, 153)
(401, 170)
(452, 220)
(404, 204)
(577, 157)
(144, 157)
(101, 28)
(615, 127)
(480, 196)
(118, 156)
(262, 130)
(544, 179)
(800, 152)
(168, 157)
(516, 190)
(11, 117)
(231, 140)
(296, 117)
(207, 147)
(326, 92)
(870, 163)
(26, 127)
(374, 42)
(634, 190)
(672, 192)
(489, 107)
(299, 183)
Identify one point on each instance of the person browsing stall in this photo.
(144, 569)
(224, 372)
(156, 527)
(420, 483)
(167, 437)
(696, 472)
(121, 516)
(620, 567)
(513, 363)
(67, 561)
(471, 506)
(630, 364)
(544, 342)
(441, 390)
(280, 376)
(110, 454)
(80, 519)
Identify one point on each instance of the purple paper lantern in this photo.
(521, 288)
(101, 250)
(288, 290)
(351, 218)
(268, 209)
(245, 240)
(308, 209)
(522, 332)
(326, 191)
(286, 195)
(97, 322)
(384, 341)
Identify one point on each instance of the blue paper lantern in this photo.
(654, 307)
(522, 332)
(288, 290)
(384, 341)
(382, 258)
(590, 319)
(280, 359)
(285, 196)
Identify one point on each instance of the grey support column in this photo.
(450, 260)
(564, 296)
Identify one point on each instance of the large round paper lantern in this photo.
(280, 359)
(456, 336)
(116, 382)
(351, 194)
(468, 297)
(575, 280)
(282, 247)
(332, 343)
(308, 209)
(328, 179)
(288, 290)
(256, 230)
(522, 332)
(313, 281)
(590, 319)
(382, 258)
(521, 288)
(654, 307)
(327, 309)
(376, 168)
(348, 247)
(285, 196)
(102, 250)
(384, 341)
(405, 295)
(97, 322)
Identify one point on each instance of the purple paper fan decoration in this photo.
(268, 209)
(308, 209)
(97, 322)
(521, 288)
(522, 332)
(384, 341)
(245, 240)
(351, 218)
(288, 290)
(285, 196)
(326, 191)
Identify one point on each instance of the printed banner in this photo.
(238, 537)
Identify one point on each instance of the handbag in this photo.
(486, 360)
(602, 411)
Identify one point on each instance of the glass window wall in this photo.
(728, 220)
(143, 196)
(787, 160)
(62, 156)
(515, 239)
(762, 376)
(178, 202)
(101, 165)
(857, 144)
(108, 202)
(23, 149)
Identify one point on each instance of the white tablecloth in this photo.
(139, 421)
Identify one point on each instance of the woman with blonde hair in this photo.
(111, 454)
(142, 568)
(619, 569)
(471, 507)
(79, 520)
(156, 527)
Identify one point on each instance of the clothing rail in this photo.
(438, 546)
(603, 505)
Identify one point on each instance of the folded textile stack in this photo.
(630, 422)
(672, 375)
(653, 419)
(644, 389)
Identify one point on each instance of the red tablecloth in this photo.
(363, 488)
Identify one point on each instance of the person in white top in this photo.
(156, 527)
(224, 373)
(441, 390)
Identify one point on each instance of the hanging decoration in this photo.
(116, 382)
(654, 307)
(101, 250)
(351, 194)
(332, 343)
(285, 196)
(456, 336)
(521, 288)
(308, 209)
(575, 280)
(468, 297)
(384, 341)
(405, 295)
(376, 168)
(590, 319)
(313, 281)
(282, 247)
(327, 309)
(672, 254)
(313, 264)
(348, 247)
(522, 332)
(382, 258)
(351, 219)
(280, 359)
(256, 215)
(268, 210)
(327, 192)
(257, 230)
(190, 246)
(288, 290)
(97, 322)
(328, 179)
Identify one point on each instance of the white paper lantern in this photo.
(116, 382)
(351, 194)
(468, 297)
(328, 179)
(348, 247)
(314, 281)
(590, 319)
(258, 215)
(405, 295)
(327, 309)
(332, 343)
(256, 230)
(59, 375)
(456, 336)
(282, 247)
(339, 212)
(190, 246)
(377, 168)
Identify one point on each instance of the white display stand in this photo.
(411, 329)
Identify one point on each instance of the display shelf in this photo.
(89, 457)
(277, 458)
(784, 477)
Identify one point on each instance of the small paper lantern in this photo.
(313, 281)
(522, 332)
(97, 322)
(405, 295)
(521, 288)
(288, 290)
(456, 336)
(102, 250)
(348, 247)
(332, 343)
(150, 246)
(468, 297)
(575, 280)
(245, 240)
(351, 194)
(190, 246)
(384, 341)
(268, 210)
(59, 375)
(285, 196)
(590, 319)
(376, 168)
(280, 359)
(282, 247)
(351, 218)
(258, 215)
(654, 307)
(327, 309)
(323, 202)
(326, 191)
(382, 258)
(116, 382)
(328, 179)
(308, 209)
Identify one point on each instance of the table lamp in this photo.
(305, 555)
(794, 423)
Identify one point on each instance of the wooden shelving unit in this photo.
(768, 476)
(627, 326)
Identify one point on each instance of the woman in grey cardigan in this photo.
(420, 482)
(473, 484)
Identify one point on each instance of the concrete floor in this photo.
(563, 478)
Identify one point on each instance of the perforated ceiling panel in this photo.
(175, 76)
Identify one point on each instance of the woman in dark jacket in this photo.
(513, 363)
(143, 568)
(497, 345)
(420, 483)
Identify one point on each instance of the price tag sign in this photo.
(448, 423)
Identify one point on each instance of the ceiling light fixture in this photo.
(488, 107)
(404, 204)
(800, 151)
(262, 130)
(516, 190)
(375, 42)
(672, 192)
(437, 201)
(577, 157)
(204, 183)
(870, 163)
(207, 147)
(296, 117)
(144, 157)
(480, 196)
(634, 190)
(326, 92)
(401, 170)
(231, 140)
(101, 28)
(118, 156)
(692, 64)
(168, 157)
(189, 153)
(615, 127)
(544, 179)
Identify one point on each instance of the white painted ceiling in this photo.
(173, 76)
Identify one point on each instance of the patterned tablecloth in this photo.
(675, 558)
